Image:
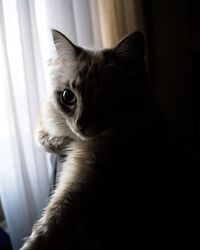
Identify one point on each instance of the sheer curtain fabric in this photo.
(25, 47)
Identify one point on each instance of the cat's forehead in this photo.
(61, 69)
(90, 66)
(90, 63)
(87, 67)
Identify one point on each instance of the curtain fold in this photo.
(24, 180)
(119, 17)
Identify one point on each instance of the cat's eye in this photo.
(68, 98)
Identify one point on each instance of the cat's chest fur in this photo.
(110, 179)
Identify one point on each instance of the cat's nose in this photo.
(86, 129)
(81, 127)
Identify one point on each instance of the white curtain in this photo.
(25, 46)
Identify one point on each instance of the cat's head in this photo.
(96, 90)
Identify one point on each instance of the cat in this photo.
(99, 103)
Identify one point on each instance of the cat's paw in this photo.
(34, 242)
(46, 238)
(40, 238)
(52, 143)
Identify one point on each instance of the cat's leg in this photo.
(57, 226)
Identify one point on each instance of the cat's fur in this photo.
(102, 199)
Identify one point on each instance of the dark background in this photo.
(173, 41)
(173, 44)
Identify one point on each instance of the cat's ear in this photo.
(64, 47)
(131, 49)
